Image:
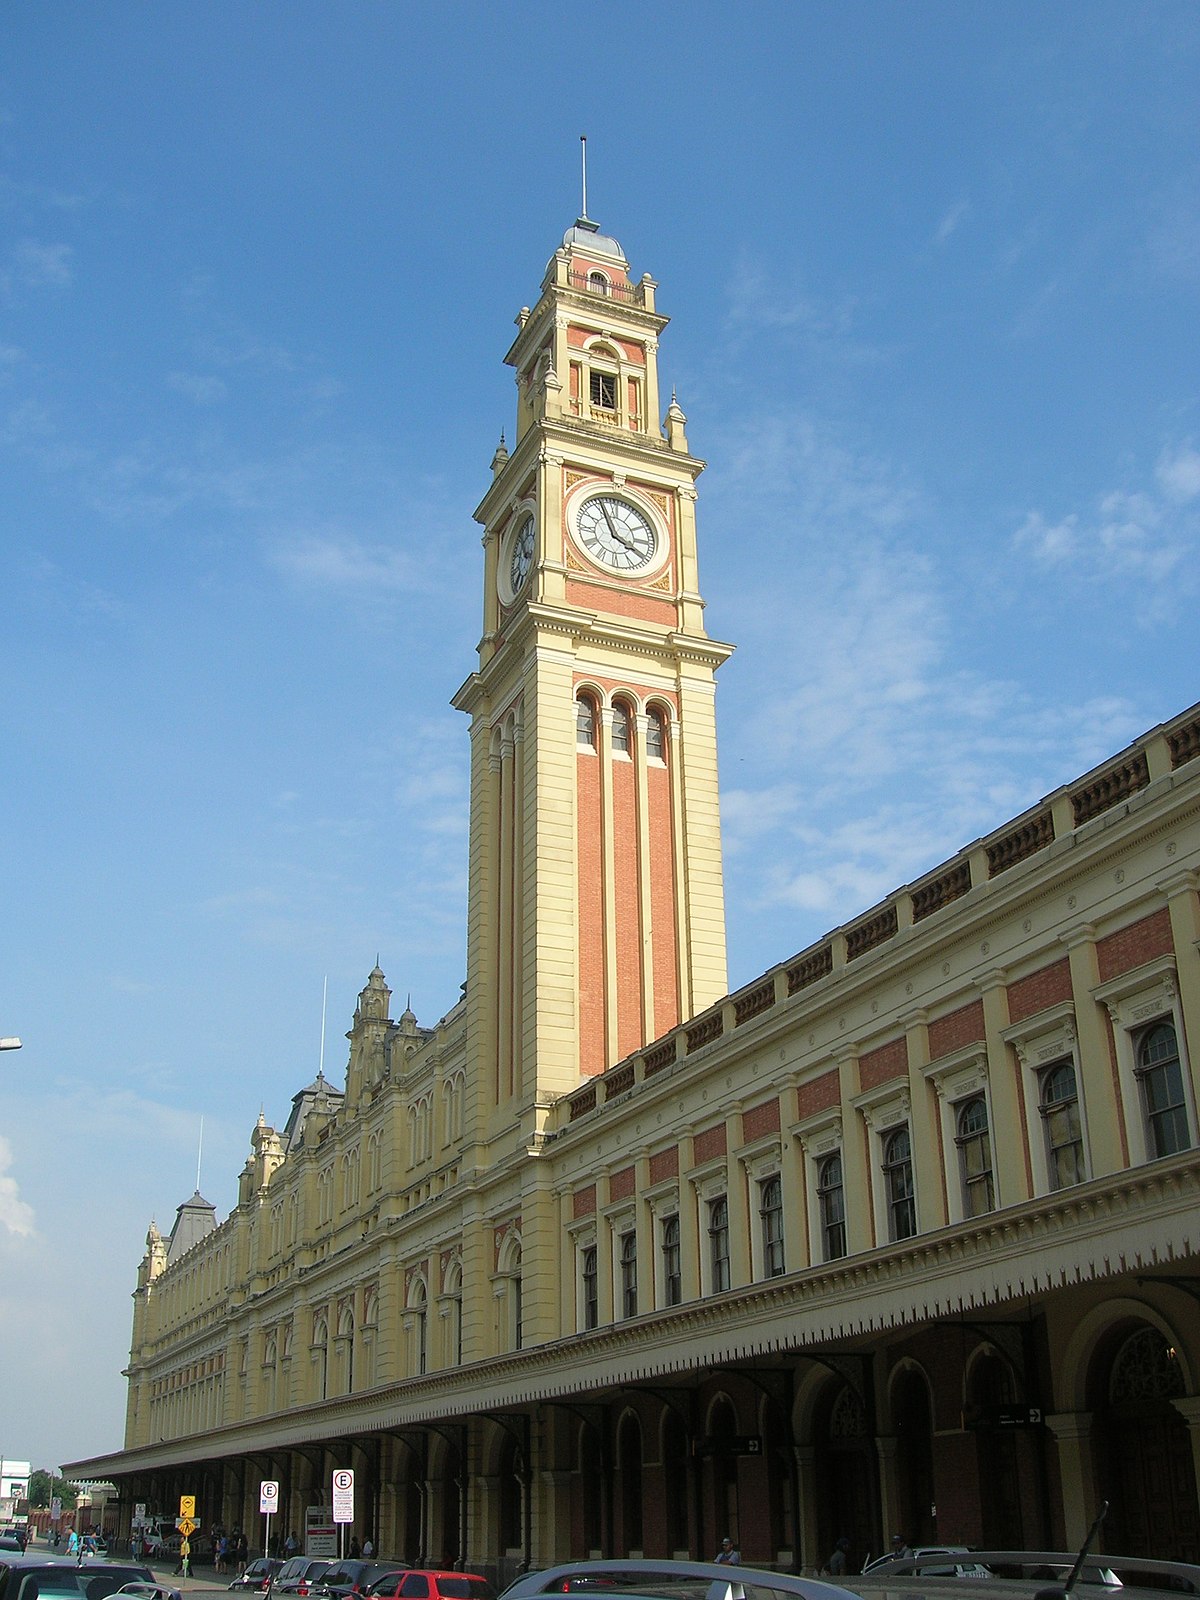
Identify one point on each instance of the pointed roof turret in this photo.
(193, 1219)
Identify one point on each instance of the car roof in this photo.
(709, 1580)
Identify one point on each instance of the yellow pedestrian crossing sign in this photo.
(186, 1526)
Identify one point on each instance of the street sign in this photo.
(268, 1496)
(187, 1505)
(343, 1495)
(185, 1525)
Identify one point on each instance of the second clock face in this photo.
(520, 555)
(615, 534)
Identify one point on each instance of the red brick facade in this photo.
(1050, 986)
(882, 1065)
(953, 1032)
(1132, 946)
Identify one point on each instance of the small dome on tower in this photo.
(585, 235)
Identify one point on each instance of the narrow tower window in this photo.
(585, 722)
(656, 735)
(620, 729)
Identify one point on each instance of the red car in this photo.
(420, 1583)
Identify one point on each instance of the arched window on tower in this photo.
(585, 722)
(656, 735)
(597, 282)
(620, 728)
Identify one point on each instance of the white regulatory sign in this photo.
(268, 1497)
(343, 1495)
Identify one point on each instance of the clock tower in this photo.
(596, 907)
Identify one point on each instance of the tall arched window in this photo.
(898, 1178)
(831, 1199)
(975, 1157)
(656, 735)
(620, 728)
(585, 722)
(1162, 1090)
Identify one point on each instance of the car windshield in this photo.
(69, 1582)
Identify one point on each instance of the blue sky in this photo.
(933, 278)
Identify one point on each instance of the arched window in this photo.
(656, 735)
(771, 1216)
(898, 1178)
(591, 1297)
(1064, 1130)
(419, 1307)
(620, 728)
(671, 1262)
(597, 282)
(585, 722)
(629, 1286)
(831, 1200)
(1162, 1090)
(975, 1157)
(718, 1244)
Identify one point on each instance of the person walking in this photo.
(728, 1555)
(839, 1562)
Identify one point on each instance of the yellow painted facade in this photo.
(912, 1215)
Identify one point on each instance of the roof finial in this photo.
(583, 159)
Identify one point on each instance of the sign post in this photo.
(268, 1503)
(343, 1505)
(186, 1523)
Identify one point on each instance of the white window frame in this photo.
(884, 1111)
(620, 1219)
(762, 1162)
(958, 1077)
(1135, 1001)
(820, 1136)
(711, 1183)
(1040, 1041)
(663, 1201)
(585, 1236)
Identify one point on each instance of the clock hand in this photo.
(612, 527)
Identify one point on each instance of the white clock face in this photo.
(520, 555)
(615, 534)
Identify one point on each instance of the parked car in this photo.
(352, 1577)
(621, 1577)
(963, 1565)
(150, 1591)
(298, 1574)
(28, 1577)
(258, 1574)
(427, 1583)
(12, 1541)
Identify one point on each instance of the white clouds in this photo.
(1178, 473)
(1145, 535)
(37, 265)
(341, 562)
(15, 1215)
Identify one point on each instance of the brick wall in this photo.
(760, 1121)
(1040, 990)
(1134, 945)
(961, 1027)
(819, 1094)
(710, 1144)
(621, 1185)
(882, 1065)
